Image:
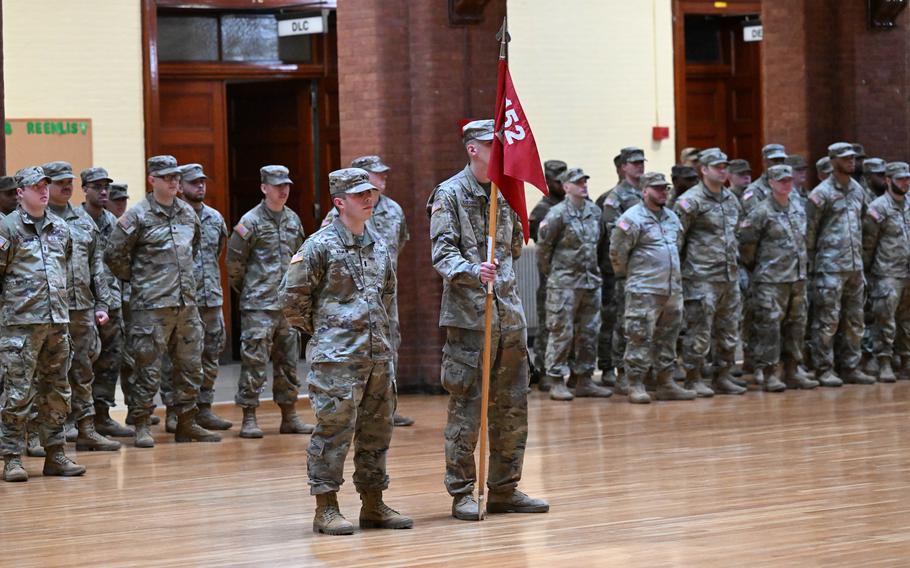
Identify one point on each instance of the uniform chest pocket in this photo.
(339, 280)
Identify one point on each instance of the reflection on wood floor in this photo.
(797, 479)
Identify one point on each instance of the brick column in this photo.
(406, 80)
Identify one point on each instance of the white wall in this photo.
(591, 82)
(80, 59)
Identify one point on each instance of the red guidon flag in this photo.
(514, 159)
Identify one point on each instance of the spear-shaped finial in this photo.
(504, 39)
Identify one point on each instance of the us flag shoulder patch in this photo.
(4, 244)
(875, 214)
(297, 258)
(624, 225)
(684, 205)
(543, 224)
(241, 230)
(611, 202)
(815, 198)
(748, 195)
(126, 224)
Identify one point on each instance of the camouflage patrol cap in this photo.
(739, 166)
(780, 172)
(554, 168)
(30, 176)
(274, 175)
(574, 175)
(8, 183)
(688, 154)
(159, 166)
(349, 180)
(873, 166)
(796, 162)
(683, 172)
(652, 179)
(859, 149)
(477, 130)
(712, 157)
(773, 152)
(841, 150)
(192, 172)
(631, 154)
(824, 166)
(897, 170)
(370, 163)
(89, 175)
(58, 171)
(118, 191)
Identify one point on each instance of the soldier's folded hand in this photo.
(488, 271)
(101, 317)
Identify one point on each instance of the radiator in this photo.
(527, 279)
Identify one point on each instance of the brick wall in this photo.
(406, 80)
(828, 77)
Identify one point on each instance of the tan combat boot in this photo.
(107, 426)
(291, 422)
(170, 420)
(587, 388)
(695, 382)
(374, 514)
(885, 372)
(723, 385)
(211, 421)
(828, 379)
(558, 389)
(622, 381)
(57, 463)
(794, 379)
(668, 389)
(143, 433)
(189, 431)
(328, 519)
(90, 440)
(249, 428)
(772, 382)
(400, 420)
(33, 447)
(637, 392)
(12, 468)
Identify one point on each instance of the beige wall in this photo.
(586, 74)
(80, 59)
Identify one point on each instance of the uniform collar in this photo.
(159, 208)
(347, 237)
(720, 197)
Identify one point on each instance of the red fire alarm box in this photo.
(659, 133)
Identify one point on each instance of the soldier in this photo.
(345, 306)
(689, 157)
(873, 180)
(760, 189)
(740, 177)
(553, 170)
(772, 240)
(823, 168)
(860, 160)
(709, 214)
(644, 249)
(458, 209)
(886, 256)
(800, 170)
(618, 201)
(153, 247)
(34, 349)
(834, 242)
(209, 299)
(89, 298)
(108, 364)
(684, 178)
(9, 199)
(259, 251)
(567, 252)
(387, 222)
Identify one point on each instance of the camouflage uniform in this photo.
(88, 293)
(644, 250)
(35, 348)
(886, 254)
(756, 192)
(541, 338)
(153, 247)
(340, 288)
(619, 200)
(773, 247)
(209, 300)
(107, 365)
(458, 209)
(259, 251)
(710, 260)
(567, 252)
(834, 244)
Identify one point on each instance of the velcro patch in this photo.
(624, 225)
(684, 205)
(4, 244)
(241, 230)
(126, 225)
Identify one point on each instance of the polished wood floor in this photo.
(818, 478)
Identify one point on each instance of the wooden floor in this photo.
(818, 478)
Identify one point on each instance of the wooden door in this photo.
(718, 78)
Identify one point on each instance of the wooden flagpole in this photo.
(487, 358)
